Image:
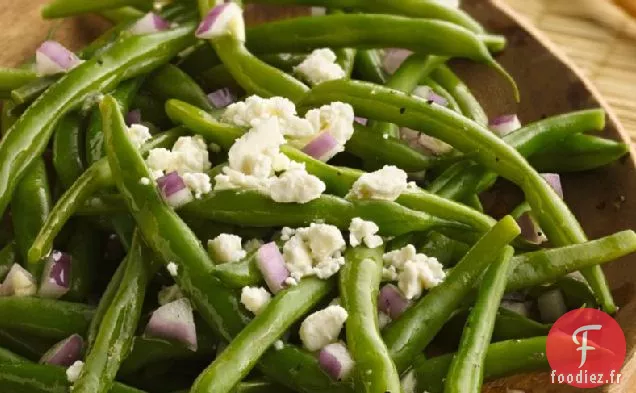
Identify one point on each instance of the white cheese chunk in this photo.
(255, 298)
(227, 248)
(314, 250)
(364, 231)
(322, 327)
(295, 186)
(320, 66)
(386, 184)
(173, 269)
(414, 272)
(198, 183)
(138, 134)
(74, 370)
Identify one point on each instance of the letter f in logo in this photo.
(584, 347)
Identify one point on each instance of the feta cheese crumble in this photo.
(255, 298)
(226, 248)
(144, 181)
(386, 184)
(279, 344)
(320, 66)
(253, 245)
(364, 231)
(314, 250)
(173, 269)
(74, 370)
(296, 185)
(138, 134)
(414, 271)
(198, 183)
(322, 327)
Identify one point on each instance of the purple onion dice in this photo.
(56, 275)
(65, 352)
(53, 58)
(336, 361)
(221, 98)
(554, 180)
(391, 301)
(174, 189)
(148, 24)
(272, 265)
(505, 124)
(222, 20)
(174, 321)
(323, 147)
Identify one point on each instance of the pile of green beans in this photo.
(73, 180)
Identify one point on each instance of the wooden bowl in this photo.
(604, 200)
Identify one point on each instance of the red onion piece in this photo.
(133, 117)
(53, 58)
(174, 189)
(221, 98)
(336, 360)
(521, 308)
(323, 147)
(393, 58)
(505, 124)
(551, 305)
(18, 282)
(65, 352)
(174, 321)
(554, 180)
(56, 275)
(148, 24)
(361, 120)
(272, 265)
(530, 229)
(391, 301)
(222, 20)
(428, 94)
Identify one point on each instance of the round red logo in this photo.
(586, 348)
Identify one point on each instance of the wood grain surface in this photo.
(598, 38)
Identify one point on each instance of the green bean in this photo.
(63, 8)
(8, 357)
(442, 92)
(151, 109)
(173, 241)
(8, 117)
(510, 325)
(170, 82)
(104, 303)
(468, 104)
(242, 353)
(122, 14)
(389, 105)
(124, 94)
(412, 8)
(12, 78)
(413, 331)
(85, 251)
(446, 250)
(544, 266)
(503, 358)
(67, 152)
(465, 373)
(41, 378)
(241, 273)
(8, 257)
(368, 66)
(117, 328)
(359, 283)
(576, 291)
(28, 92)
(578, 153)
(125, 59)
(97, 177)
(29, 346)
(44, 317)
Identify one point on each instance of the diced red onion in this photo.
(56, 275)
(221, 98)
(65, 352)
(174, 189)
(222, 20)
(428, 94)
(522, 308)
(272, 265)
(148, 24)
(17, 274)
(554, 180)
(361, 120)
(174, 321)
(133, 117)
(393, 58)
(336, 360)
(505, 124)
(323, 147)
(391, 301)
(53, 58)
(530, 230)
(551, 305)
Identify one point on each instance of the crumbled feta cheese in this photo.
(226, 248)
(314, 250)
(322, 327)
(387, 183)
(291, 281)
(173, 269)
(144, 181)
(286, 233)
(254, 153)
(364, 231)
(297, 257)
(320, 66)
(188, 155)
(169, 294)
(324, 240)
(19, 282)
(138, 134)
(296, 186)
(389, 273)
(336, 302)
(279, 344)
(253, 245)
(198, 183)
(160, 160)
(383, 320)
(255, 298)
(74, 370)
(414, 272)
(337, 118)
